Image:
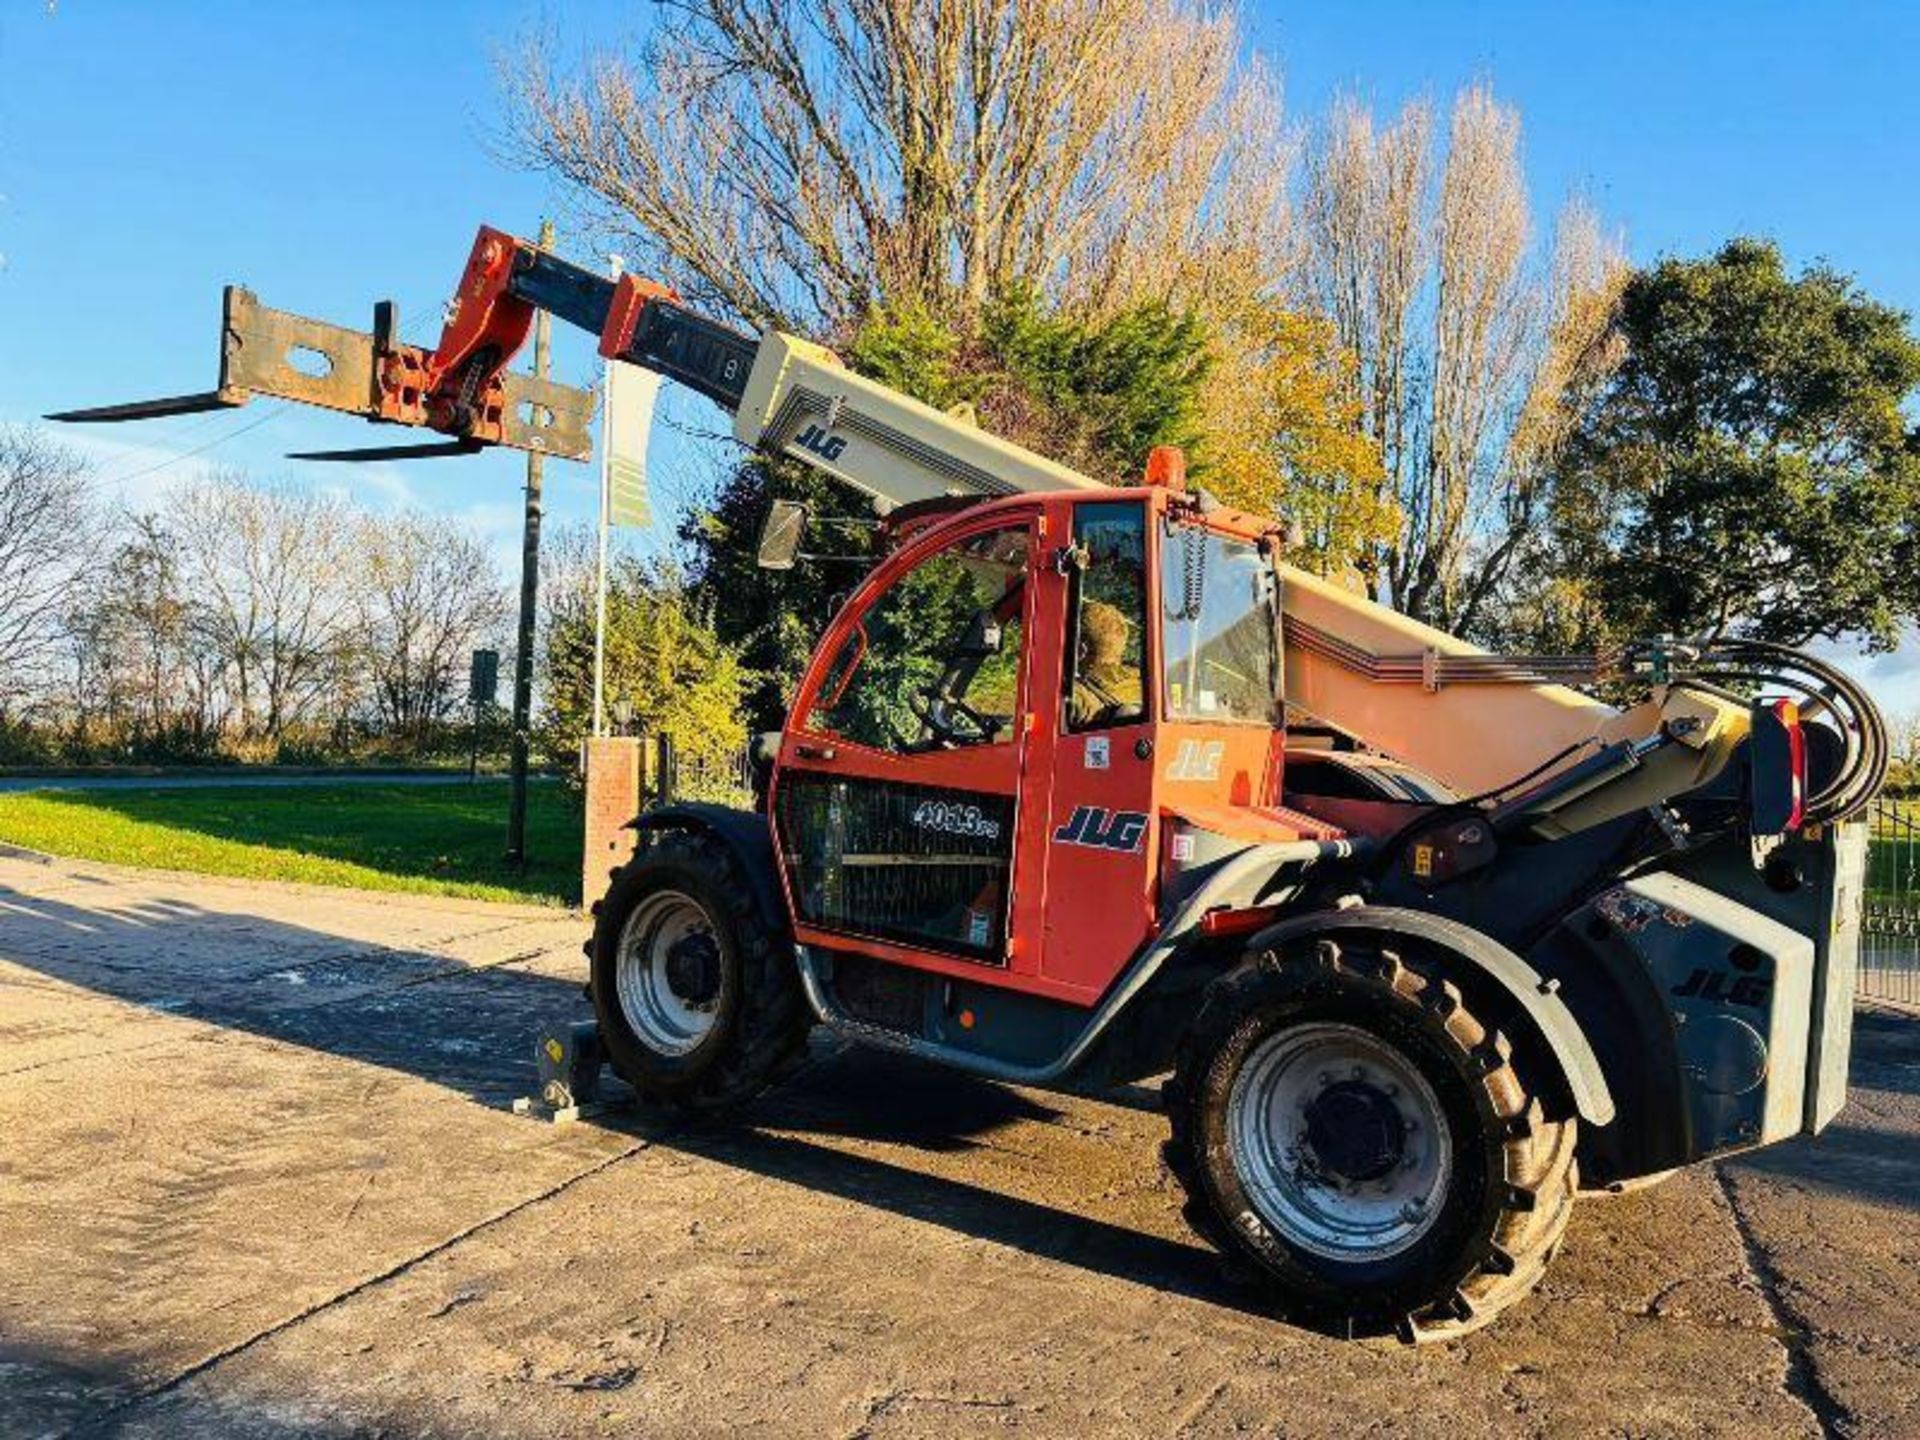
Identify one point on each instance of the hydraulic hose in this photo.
(1821, 686)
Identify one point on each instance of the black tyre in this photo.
(697, 996)
(1348, 1126)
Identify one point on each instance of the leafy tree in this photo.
(772, 617)
(1903, 778)
(1283, 436)
(1256, 393)
(1093, 391)
(883, 676)
(662, 656)
(1748, 469)
(1097, 393)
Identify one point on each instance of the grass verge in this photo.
(426, 839)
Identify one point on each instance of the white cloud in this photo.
(376, 486)
(1893, 679)
(133, 473)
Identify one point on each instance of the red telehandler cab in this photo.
(1087, 784)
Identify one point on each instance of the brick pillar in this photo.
(613, 798)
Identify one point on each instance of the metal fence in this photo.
(1890, 937)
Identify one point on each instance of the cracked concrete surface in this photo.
(257, 1178)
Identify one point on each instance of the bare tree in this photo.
(139, 645)
(267, 569)
(1467, 341)
(47, 537)
(428, 592)
(798, 161)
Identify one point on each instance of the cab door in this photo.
(1101, 836)
(895, 804)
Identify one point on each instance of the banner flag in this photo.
(631, 394)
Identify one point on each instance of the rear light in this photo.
(1789, 714)
(1776, 769)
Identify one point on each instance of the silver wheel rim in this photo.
(1285, 1095)
(659, 1017)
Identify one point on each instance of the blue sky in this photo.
(328, 155)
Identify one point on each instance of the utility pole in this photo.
(529, 610)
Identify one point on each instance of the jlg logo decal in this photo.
(1728, 989)
(816, 439)
(1197, 760)
(1103, 829)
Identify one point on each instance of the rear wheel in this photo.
(697, 997)
(1345, 1122)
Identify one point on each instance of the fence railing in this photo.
(1890, 935)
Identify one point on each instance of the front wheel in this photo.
(1342, 1120)
(697, 997)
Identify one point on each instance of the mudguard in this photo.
(745, 832)
(1579, 1066)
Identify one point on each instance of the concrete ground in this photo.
(258, 1177)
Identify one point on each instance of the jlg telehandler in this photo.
(1085, 783)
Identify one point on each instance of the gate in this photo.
(1890, 936)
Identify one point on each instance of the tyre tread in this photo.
(771, 1029)
(1541, 1177)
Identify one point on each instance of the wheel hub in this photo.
(668, 973)
(1340, 1141)
(1355, 1131)
(693, 969)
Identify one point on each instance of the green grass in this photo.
(428, 839)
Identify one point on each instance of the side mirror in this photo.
(780, 535)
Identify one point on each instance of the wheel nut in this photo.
(1410, 1125)
(1413, 1209)
(1325, 1077)
(1359, 1072)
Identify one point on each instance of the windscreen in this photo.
(1218, 615)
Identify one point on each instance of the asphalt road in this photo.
(258, 1177)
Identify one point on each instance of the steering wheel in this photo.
(937, 710)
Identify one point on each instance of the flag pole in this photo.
(614, 265)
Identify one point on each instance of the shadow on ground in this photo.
(472, 1030)
(1854, 1156)
(467, 1028)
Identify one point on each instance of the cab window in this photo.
(1107, 649)
(934, 662)
(1218, 617)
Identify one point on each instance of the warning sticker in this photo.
(1098, 754)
